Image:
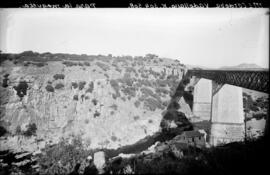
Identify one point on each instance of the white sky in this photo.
(206, 37)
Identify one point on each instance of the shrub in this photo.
(31, 130)
(115, 96)
(144, 82)
(130, 69)
(136, 117)
(70, 63)
(3, 131)
(74, 85)
(113, 138)
(174, 105)
(160, 90)
(152, 104)
(49, 88)
(106, 75)
(148, 92)
(6, 75)
(161, 83)
(94, 101)
(115, 86)
(86, 63)
(86, 121)
(137, 103)
(103, 66)
(59, 76)
(81, 85)
(127, 81)
(59, 86)
(260, 116)
(130, 91)
(144, 75)
(69, 154)
(18, 130)
(96, 114)
(5, 82)
(39, 64)
(90, 87)
(82, 96)
(21, 89)
(75, 97)
(114, 106)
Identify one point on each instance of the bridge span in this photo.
(217, 96)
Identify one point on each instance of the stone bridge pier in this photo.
(222, 104)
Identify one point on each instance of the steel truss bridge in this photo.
(251, 79)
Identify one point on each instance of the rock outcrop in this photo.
(107, 101)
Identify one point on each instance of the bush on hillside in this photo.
(137, 103)
(5, 81)
(136, 117)
(129, 91)
(86, 63)
(114, 106)
(161, 90)
(81, 85)
(115, 86)
(103, 66)
(68, 154)
(31, 130)
(94, 101)
(148, 92)
(21, 89)
(59, 86)
(75, 97)
(70, 63)
(96, 114)
(113, 138)
(153, 104)
(39, 64)
(90, 87)
(49, 88)
(18, 130)
(161, 83)
(3, 131)
(59, 76)
(74, 85)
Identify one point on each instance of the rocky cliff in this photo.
(105, 100)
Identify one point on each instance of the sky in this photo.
(196, 36)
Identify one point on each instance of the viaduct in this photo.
(217, 96)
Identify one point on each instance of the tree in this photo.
(21, 89)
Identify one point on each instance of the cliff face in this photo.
(107, 101)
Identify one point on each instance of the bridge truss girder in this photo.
(250, 79)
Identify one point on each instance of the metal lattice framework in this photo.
(251, 79)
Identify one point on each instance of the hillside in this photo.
(243, 66)
(107, 101)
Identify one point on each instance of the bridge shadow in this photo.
(170, 115)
